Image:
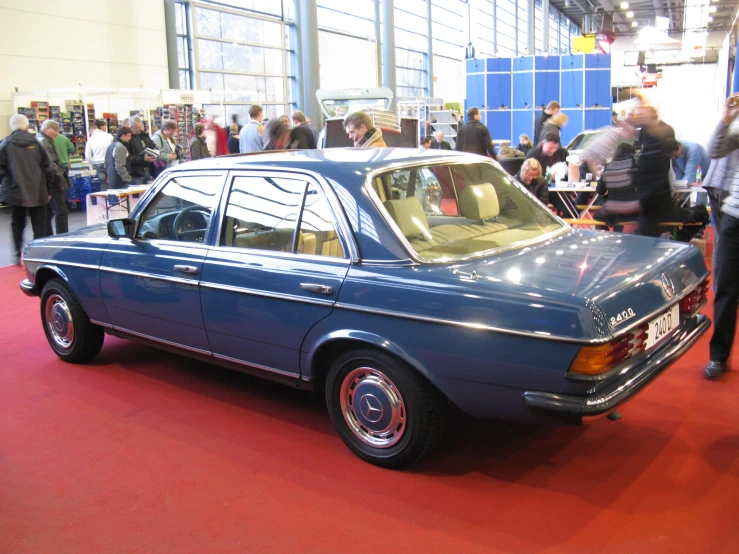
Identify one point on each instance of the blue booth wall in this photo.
(512, 92)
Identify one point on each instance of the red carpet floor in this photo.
(145, 451)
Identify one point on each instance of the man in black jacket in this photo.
(26, 176)
(140, 163)
(57, 189)
(552, 108)
(439, 143)
(474, 137)
(302, 136)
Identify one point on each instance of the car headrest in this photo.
(479, 202)
(409, 216)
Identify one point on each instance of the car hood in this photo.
(582, 281)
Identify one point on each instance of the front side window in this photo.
(281, 215)
(181, 211)
(457, 211)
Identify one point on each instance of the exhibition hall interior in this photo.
(369, 275)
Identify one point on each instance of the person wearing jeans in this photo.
(724, 143)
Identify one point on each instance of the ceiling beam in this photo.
(620, 23)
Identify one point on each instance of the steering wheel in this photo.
(181, 217)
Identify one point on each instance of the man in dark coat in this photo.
(302, 137)
(57, 190)
(552, 108)
(141, 164)
(439, 143)
(548, 152)
(26, 176)
(474, 137)
(118, 159)
(198, 148)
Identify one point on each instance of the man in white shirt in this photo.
(97, 146)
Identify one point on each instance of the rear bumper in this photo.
(28, 288)
(578, 409)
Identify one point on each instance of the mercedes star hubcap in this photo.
(373, 407)
(59, 321)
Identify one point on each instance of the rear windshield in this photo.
(461, 210)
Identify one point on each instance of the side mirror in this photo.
(119, 228)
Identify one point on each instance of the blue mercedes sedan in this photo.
(396, 281)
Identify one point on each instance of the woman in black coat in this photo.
(530, 177)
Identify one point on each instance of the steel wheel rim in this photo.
(373, 407)
(59, 321)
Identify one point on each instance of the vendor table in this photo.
(113, 203)
(563, 191)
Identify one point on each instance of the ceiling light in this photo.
(710, 19)
(634, 24)
(629, 14)
(624, 5)
(712, 9)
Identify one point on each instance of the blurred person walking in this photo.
(551, 109)
(26, 177)
(233, 139)
(278, 134)
(302, 133)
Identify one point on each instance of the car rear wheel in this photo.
(68, 329)
(384, 410)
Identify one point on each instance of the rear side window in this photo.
(279, 215)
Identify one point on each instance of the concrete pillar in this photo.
(545, 17)
(309, 75)
(378, 43)
(170, 26)
(430, 50)
(389, 70)
(531, 24)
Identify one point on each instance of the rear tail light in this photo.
(597, 360)
(693, 302)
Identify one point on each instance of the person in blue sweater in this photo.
(687, 158)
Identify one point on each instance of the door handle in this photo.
(321, 289)
(189, 269)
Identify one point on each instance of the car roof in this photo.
(334, 163)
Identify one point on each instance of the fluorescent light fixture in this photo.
(629, 14)
(624, 5)
(634, 24)
(710, 19)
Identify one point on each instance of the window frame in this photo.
(154, 192)
(341, 226)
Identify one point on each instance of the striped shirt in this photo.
(617, 182)
(725, 144)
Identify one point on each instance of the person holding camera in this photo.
(724, 143)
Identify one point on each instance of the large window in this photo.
(449, 28)
(411, 47)
(184, 46)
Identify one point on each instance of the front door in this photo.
(150, 283)
(276, 271)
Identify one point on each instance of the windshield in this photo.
(458, 211)
(343, 107)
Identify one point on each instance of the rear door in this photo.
(280, 260)
(150, 283)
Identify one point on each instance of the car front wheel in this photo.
(68, 329)
(385, 411)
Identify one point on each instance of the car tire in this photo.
(68, 329)
(386, 412)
